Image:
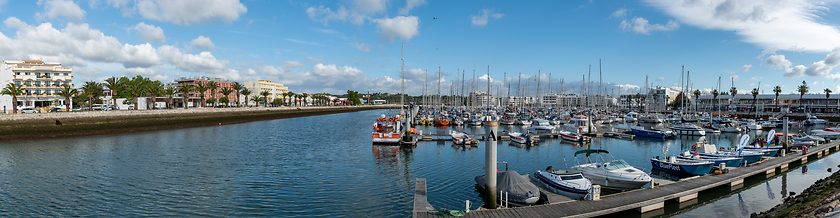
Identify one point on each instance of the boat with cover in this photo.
(711, 151)
(387, 130)
(683, 167)
(461, 138)
(603, 169)
(729, 161)
(651, 132)
(688, 129)
(520, 191)
(520, 138)
(568, 182)
(540, 126)
(570, 136)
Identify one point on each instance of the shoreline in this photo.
(75, 124)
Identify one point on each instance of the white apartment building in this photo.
(276, 89)
(40, 80)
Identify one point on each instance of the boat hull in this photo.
(561, 189)
(386, 138)
(683, 169)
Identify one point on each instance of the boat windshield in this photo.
(618, 164)
(571, 177)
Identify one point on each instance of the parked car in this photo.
(29, 110)
(55, 109)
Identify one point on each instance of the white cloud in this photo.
(834, 77)
(766, 52)
(792, 25)
(61, 8)
(399, 26)
(202, 43)
(642, 26)
(746, 68)
(147, 72)
(756, 78)
(819, 68)
(150, 33)
(189, 12)
(411, 4)
(363, 47)
(483, 17)
(660, 79)
(778, 61)
(362, 9)
(620, 13)
(284, 69)
(204, 62)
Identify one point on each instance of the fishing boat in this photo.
(688, 129)
(520, 191)
(687, 167)
(461, 138)
(568, 182)
(570, 136)
(651, 132)
(387, 130)
(540, 126)
(520, 138)
(609, 172)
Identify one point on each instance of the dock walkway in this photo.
(650, 199)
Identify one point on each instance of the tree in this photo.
(714, 97)
(91, 89)
(212, 86)
(265, 95)
(224, 100)
(630, 102)
(67, 93)
(777, 90)
(211, 101)
(353, 97)
(154, 88)
(115, 85)
(696, 97)
(169, 92)
(237, 87)
(256, 99)
(755, 95)
(14, 90)
(655, 97)
(246, 93)
(201, 88)
(802, 90)
(827, 94)
(304, 95)
(136, 87)
(291, 95)
(225, 91)
(277, 101)
(185, 89)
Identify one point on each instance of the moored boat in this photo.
(568, 182)
(684, 167)
(609, 172)
(570, 136)
(387, 130)
(520, 138)
(520, 191)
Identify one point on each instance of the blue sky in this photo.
(333, 46)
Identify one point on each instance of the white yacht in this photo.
(688, 129)
(608, 172)
(579, 124)
(540, 126)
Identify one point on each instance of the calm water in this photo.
(321, 166)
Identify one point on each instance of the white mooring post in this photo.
(490, 168)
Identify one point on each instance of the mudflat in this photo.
(74, 124)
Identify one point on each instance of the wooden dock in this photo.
(653, 199)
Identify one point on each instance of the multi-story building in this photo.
(276, 90)
(40, 81)
(817, 103)
(194, 97)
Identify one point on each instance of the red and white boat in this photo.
(570, 136)
(461, 138)
(387, 130)
(521, 138)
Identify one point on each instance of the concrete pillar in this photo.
(490, 167)
(785, 136)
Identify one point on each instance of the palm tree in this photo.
(732, 91)
(630, 102)
(115, 85)
(201, 88)
(91, 88)
(169, 92)
(67, 93)
(696, 97)
(827, 94)
(755, 95)
(256, 99)
(14, 90)
(290, 94)
(237, 87)
(246, 93)
(304, 95)
(226, 91)
(154, 88)
(802, 90)
(136, 88)
(655, 96)
(265, 95)
(212, 86)
(777, 90)
(714, 95)
(185, 89)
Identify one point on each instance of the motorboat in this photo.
(711, 151)
(751, 125)
(811, 120)
(570, 136)
(387, 130)
(520, 191)
(524, 119)
(688, 129)
(475, 120)
(639, 130)
(631, 117)
(520, 138)
(687, 167)
(568, 182)
(728, 161)
(826, 134)
(727, 128)
(603, 169)
(540, 126)
(580, 124)
(768, 125)
(508, 119)
(461, 138)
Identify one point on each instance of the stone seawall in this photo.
(73, 124)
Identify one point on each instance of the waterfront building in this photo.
(482, 98)
(659, 97)
(276, 90)
(40, 80)
(194, 97)
(811, 102)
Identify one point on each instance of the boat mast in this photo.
(488, 88)
(518, 86)
(402, 78)
(438, 97)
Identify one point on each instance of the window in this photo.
(26, 73)
(17, 73)
(17, 82)
(37, 83)
(55, 74)
(28, 83)
(66, 74)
